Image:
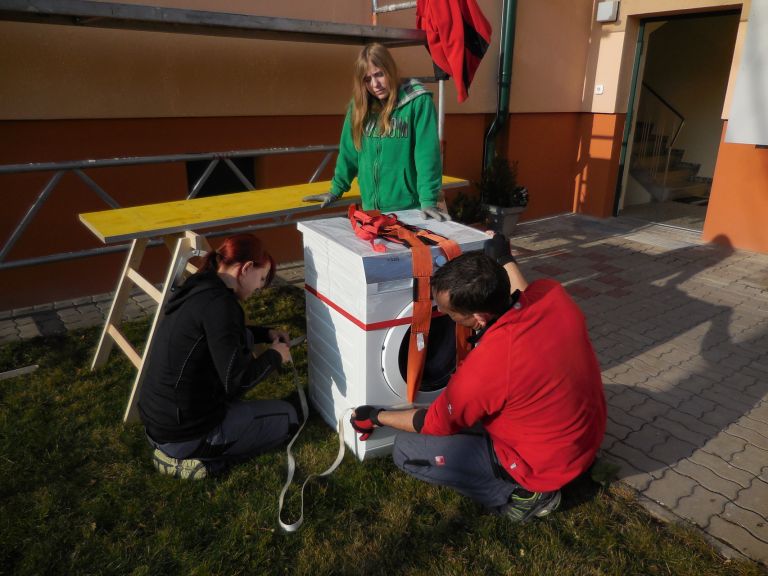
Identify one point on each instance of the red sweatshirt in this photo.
(534, 382)
(458, 34)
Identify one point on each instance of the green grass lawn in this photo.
(78, 495)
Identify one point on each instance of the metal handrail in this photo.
(671, 108)
(654, 133)
(77, 167)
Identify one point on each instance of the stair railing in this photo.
(659, 124)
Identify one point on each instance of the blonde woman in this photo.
(389, 141)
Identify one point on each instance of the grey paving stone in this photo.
(651, 409)
(28, 331)
(697, 384)
(725, 446)
(22, 312)
(632, 377)
(670, 489)
(751, 436)
(736, 361)
(672, 450)
(674, 375)
(736, 536)
(628, 473)
(721, 416)
(81, 301)
(751, 459)
(693, 433)
(740, 381)
(722, 468)
(616, 429)
(623, 417)
(646, 439)
(701, 506)
(708, 478)
(759, 413)
(627, 398)
(725, 397)
(755, 498)
(697, 407)
(671, 396)
(640, 461)
(79, 324)
(66, 313)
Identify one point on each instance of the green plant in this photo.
(467, 209)
(498, 185)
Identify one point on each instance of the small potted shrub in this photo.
(502, 198)
(466, 208)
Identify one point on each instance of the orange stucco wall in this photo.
(568, 161)
(738, 205)
(597, 163)
(559, 155)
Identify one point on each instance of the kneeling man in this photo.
(524, 414)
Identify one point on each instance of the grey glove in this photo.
(434, 212)
(325, 199)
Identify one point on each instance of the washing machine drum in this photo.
(440, 362)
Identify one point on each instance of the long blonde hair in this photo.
(363, 103)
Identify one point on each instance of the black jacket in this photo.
(200, 360)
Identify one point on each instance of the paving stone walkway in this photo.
(681, 330)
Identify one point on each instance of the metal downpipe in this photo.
(506, 49)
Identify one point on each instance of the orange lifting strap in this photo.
(373, 224)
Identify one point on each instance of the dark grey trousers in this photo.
(248, 429)
(462, 461)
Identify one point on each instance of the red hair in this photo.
(239, 249)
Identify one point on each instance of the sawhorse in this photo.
(175, 223)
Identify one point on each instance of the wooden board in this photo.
(152, 220)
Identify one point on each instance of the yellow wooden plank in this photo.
(164, 218)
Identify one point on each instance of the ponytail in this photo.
(239, 249)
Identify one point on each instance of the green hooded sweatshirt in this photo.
(399, 170)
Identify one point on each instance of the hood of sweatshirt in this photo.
(195, 285)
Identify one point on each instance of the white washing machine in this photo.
(358, 323)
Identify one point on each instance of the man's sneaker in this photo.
(538, 504)
(192, 469)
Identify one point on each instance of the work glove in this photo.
(325, 199)
(498, 249)
(434, 212)
(364, 420)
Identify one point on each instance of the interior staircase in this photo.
(655, 162)
(663, 172)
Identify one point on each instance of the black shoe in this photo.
(192, 469)
(521, 509)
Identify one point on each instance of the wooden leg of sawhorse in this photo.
(123, 292)
(184, 248)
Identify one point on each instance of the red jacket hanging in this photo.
(457, 37)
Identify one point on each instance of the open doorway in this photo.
(680, 88)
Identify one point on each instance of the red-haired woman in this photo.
(202, 363)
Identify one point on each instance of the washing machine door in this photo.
(439, 364)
